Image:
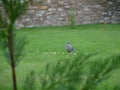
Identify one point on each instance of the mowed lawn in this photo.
(47, 45)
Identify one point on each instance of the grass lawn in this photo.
(47, 45)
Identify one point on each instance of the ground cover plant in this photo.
(47, 45)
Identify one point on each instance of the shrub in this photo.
(78, 74)
(72, 19)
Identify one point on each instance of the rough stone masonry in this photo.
(57, 12)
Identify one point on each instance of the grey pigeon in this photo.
(69, 48)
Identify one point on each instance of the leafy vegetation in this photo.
(74, 75)
(13, 9)
(72, 19)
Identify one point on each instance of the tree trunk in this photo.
(11, 51)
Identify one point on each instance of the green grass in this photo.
(47, 44)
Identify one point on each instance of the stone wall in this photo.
(57, 12)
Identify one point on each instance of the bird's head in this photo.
(68, 42)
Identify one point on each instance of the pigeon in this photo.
(69, 48)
